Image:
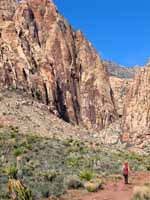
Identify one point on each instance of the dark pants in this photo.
(125, 178)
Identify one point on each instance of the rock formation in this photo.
(7, 9)
(41, 54)
(120, 87)
(136, 116)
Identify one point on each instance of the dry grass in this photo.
(141, 193)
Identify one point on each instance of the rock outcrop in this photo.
(41, 54)
(7, 9)
(120, 87)
(136, 116)
(96, 97)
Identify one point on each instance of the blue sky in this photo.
(118, 29)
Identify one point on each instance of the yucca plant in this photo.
(18, 191)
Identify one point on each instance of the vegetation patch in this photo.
(49, 167)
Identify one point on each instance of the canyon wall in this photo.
(41, 54)
(136, 115)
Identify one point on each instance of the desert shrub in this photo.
(74, 161)
(18, 190)
(58, 187)
(74, 183)
(27, 171)
(31, 138)
(94, 185)
(32, 164)
(11, 171)
(86, 175)
(49, 175)
(77, 146)
(13, 131)
(18, 151)
(45, 190)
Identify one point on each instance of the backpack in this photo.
(125, 169)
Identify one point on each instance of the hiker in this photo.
(125, 170)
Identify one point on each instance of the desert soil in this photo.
(117, 190)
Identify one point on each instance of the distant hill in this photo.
(121, 71)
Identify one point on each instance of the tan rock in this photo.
(119, 87)
(7, 9)
(136, 117)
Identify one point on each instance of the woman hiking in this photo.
(125, 170)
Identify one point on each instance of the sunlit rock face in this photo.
(120, 87)
(136, 116)
(96, 98)
(7, 9)
(42, 55)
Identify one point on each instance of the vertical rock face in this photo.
(120, 87)
(96, 99)
(136, 120)
(41, 54)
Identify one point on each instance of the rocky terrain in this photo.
(30, 116)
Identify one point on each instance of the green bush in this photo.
(49, 175)
(18, 151)
(31, 138)
(11, 171)
(86, 175)
(74, 161)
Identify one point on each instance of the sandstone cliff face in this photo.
(136, 117)
(41, 54)
(96, 98)
(7, 9)
(120, 87)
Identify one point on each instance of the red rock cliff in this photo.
(41, 54)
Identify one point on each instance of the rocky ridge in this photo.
(120, 71)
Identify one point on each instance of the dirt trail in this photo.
(119, 191)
